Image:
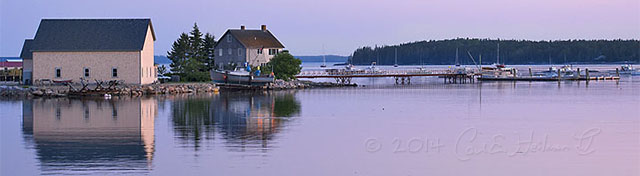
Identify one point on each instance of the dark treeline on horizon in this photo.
(443, 52)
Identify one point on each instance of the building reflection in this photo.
(91, 135)
(242, 120)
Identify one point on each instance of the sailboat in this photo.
(396, 64)
(497, 64)
(499, 71)
(324, 60)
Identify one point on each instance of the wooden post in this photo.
(559, 75)
(578, 76)
(530, 73)
(586, 73)
(617, 72)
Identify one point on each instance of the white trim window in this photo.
(273, 51)
(229, 39)
(87, 72)
(114, 72)
(230, 51)
(58, 72)
(259, 50)
(220, 51)
(239, 51)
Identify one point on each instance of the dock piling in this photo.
(586, 73)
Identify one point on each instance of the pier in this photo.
(400, 76)
(454, 75)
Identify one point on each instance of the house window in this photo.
(58, 72)
(114, 72)
(229, 39)
(273, 51)
(260, 51)
(239, 52)
(86, 72)
(229, 51)
(220, 51)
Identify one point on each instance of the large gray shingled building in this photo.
(240, 46)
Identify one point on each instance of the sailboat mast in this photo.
(457, 57)
(396, 56)
(377, 55)
(498, 53)
(324, 60)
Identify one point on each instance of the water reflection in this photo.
(91, 135)
(243, 120)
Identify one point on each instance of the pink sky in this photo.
(341, 25)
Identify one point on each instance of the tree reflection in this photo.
(243, 120)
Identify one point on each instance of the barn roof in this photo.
(91, 35)
(26, 49)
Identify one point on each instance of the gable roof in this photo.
(254, 38)
(26, 49)
(91, 34)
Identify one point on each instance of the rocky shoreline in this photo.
(18, 91)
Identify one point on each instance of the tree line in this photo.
(443, 52)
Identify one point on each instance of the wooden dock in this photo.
(547, 78)
(401, 76)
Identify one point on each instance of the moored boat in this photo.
(239, 76)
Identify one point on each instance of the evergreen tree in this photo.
(192, 55)
(209, 51)
(196, 52)
(178, 54)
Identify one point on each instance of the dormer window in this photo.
(229, 39)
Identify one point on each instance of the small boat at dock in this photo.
(239, 76)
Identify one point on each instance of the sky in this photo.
(342, 26)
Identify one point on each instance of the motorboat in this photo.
(372, 68)
(239, 76)
(629, 70)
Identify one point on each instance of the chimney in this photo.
(242, 27)
(264, 28)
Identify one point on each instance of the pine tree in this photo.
(178, 54)
(195, 49)
(192, 55)
(209, 51)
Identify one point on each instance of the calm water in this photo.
(427, 128)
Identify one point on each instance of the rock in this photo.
(148, 90)
(49, 92)
(37, 93)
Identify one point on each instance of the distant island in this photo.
(443, 52)
(159, 59)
